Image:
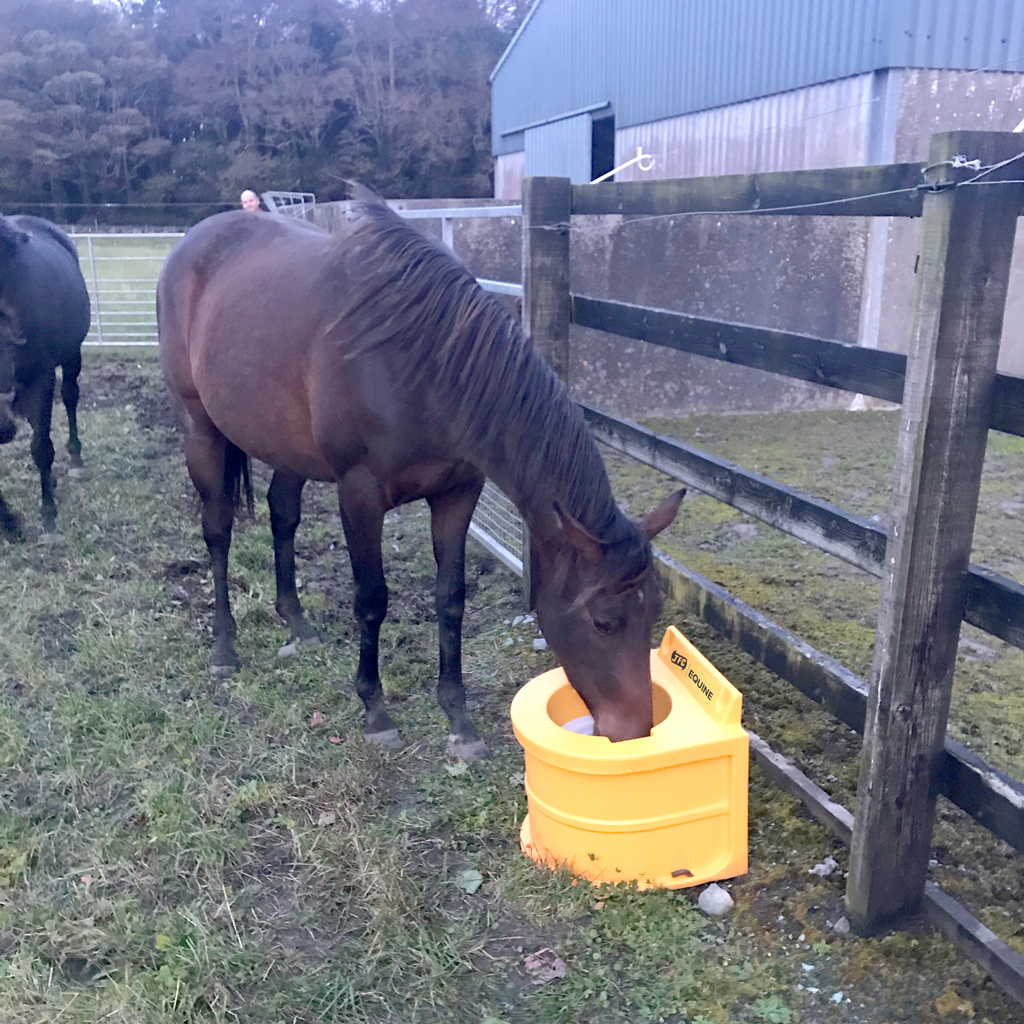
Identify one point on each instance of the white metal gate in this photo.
(294, 204)
(121, 272)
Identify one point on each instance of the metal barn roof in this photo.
(652, 59)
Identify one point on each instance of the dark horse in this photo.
(373, 359)
(44, 317)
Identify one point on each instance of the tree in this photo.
(176, 101)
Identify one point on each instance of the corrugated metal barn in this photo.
(765, 85)
(737, 86)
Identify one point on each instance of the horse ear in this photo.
(658, 519)
(579, 537)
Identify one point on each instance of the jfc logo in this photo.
(680, 660)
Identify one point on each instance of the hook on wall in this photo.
(639, 159)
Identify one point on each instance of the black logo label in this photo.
(700, 684)
(680, 660)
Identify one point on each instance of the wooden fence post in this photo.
(963, 267)
(547, 211)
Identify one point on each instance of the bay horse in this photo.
(372, 359)
(44, 318)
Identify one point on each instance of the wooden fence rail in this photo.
(995, 603)
(849, 191)
(890, 190)
(833, 364)
(991, 797)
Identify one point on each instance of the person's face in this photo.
(250, 201)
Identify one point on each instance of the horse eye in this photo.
(604, 627)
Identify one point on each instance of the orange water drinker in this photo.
(669, 809)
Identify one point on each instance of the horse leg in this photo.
(450, 514)
(362, 515)
(205, 451)
(38, 409)
(69, 395)
(285, 500)
(10, 524)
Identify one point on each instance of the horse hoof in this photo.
(222, 671)
(51, 537)
(467, 749)
(77, 472)
(387, 738)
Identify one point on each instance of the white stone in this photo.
(715, 901)
(972, 650)
(842, 926)
(825, 868)
(540, 645)
(287, 651)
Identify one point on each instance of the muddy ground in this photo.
(175, 848)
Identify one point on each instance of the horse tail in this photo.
(237, 479)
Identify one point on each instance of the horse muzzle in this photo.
(620, 724)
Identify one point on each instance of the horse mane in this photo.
(498, 399)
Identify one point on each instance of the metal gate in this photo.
(292, 204)
(121, 272)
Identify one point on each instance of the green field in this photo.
(180, 849)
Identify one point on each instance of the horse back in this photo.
(45, 229)
(212, 255)
(236, 311)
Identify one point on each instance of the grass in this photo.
(179, 849)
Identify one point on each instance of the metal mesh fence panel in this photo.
(498, 527)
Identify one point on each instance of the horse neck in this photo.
(545, 453)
